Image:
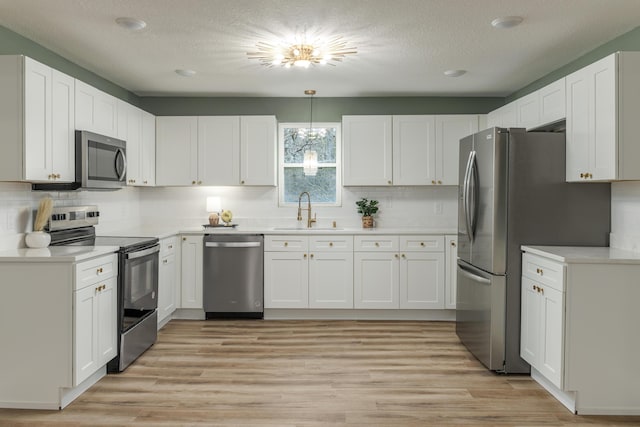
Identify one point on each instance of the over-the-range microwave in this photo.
(101, 164)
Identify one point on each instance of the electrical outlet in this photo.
(437, 208)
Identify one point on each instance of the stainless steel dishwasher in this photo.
(233, 274)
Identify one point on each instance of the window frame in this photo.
(337, 165)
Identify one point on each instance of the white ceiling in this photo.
(404, 46)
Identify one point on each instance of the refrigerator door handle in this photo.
(465, 271)
(469, 210)
(474, 193)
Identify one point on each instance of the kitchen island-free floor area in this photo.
(299, 373)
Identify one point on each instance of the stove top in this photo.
(126, 243)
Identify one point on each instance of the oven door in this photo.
(140, 279)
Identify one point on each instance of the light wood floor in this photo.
(303, 373)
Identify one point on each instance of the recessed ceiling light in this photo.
(185, 73)
(454, 73)
(133, 24)
(506, 21)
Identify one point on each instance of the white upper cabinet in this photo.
(367, 150)
(504, 117)
(140, 135)
(219, 150)
(258, 135)
(216, 150)
(552, 102)
(603, 100)
(405, 149)
(96, 111)
(37, 110)
(414, 150)
(176, 151)
(450, 129)
(528, 110)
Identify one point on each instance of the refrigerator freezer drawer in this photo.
(480, 314)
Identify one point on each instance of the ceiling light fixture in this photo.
(185, 73)
(454, 73)
(506, 22)
(302, 53)
(133, 24)
(310, 160)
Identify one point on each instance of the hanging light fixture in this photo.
(302, 53)
(310, 161)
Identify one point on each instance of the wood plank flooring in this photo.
(309, 373)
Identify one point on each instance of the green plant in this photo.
(367, 207)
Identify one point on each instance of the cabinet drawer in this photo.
(167, 246)
(377, 243)
(94, 270)
(331, 243)
(168, 259)
(422, 243)
(286, 243)
(543, 270)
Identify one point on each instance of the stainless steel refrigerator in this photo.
(512, 192)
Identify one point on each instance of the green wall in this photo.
(629, 41)
(13, 44)
(324, 109)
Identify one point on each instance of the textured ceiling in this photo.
(404, 46)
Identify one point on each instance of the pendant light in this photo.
(310, 162)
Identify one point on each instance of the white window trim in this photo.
(337, 164)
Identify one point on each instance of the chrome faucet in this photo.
(310, 220)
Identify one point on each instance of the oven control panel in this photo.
(66, 217)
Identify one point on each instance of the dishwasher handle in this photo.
(233, 244)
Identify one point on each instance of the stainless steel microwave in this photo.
(101, 161)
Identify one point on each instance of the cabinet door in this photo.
(528, 109)
(191, 272)
(37, 118)
(166, 287)
(331, 280)
(258, 137)
(85, 338)
(552, 100)
(286, 280)
(134, 144)
(505, 116)
(107, 324)
(219, 150)
(421, 280)
(367, 150)
(551, 349)
(449, 130)
(176, 151)
(96, 111)
(451, 264)
(148, 152)
(530, 322)
(376, 280)
(414, 150)
(63, 127)
(591, 122)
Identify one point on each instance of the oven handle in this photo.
(232, 244)
(145, 252)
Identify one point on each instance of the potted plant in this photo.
(367, 208)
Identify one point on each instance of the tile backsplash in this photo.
(256, 206)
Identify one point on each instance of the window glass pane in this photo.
(321, 187)
(297, 141)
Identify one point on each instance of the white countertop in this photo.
(585, 255)
(56, 253)
(161, 232)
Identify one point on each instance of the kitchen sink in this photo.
(307, 229)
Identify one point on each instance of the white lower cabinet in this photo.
(95, 320)
(579, 321)
(451, 271)
(308, 272)
(399, 272)
(191, 253)
(167, 279)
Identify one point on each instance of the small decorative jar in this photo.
(37, 239)
(367, 222)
